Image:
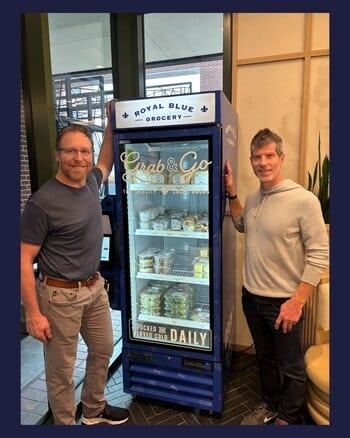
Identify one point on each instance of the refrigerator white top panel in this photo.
(187, 109)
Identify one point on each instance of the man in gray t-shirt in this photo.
(61, 227)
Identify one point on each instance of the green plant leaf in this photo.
(309, 182)
(314, 178)
(318, 183)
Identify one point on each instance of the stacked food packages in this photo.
(201, 267)
(159, 219)
(174, 177)
(170, 301)
(151, 301)
(146, 260)
(179, 301)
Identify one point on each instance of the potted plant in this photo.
(318, 183)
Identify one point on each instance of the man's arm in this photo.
(235, 206)
(291, 310)
(37, 324)
(105, 159)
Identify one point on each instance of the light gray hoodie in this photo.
(286, 240)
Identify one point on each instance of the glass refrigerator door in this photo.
(167, 192)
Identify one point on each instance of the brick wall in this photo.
(211, 75)
(24, 174)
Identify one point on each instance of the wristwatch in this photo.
(228, 196)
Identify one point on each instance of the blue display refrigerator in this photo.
(177, 266)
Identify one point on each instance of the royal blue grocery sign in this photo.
(184, 109)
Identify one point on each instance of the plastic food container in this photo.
(178, 178)
(176, 221)
(200, 177)
(148, 214)
(142, 177)
(146, 225)
(177, 304)
(189, 223)
(146, 258)
(161, 223)
(203, 252)
(145, 269)
(162, 269)
(163, 258)
(151, 301)
(202, 224)
(201, 267)
(158, 178)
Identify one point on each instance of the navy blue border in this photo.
(10, 35)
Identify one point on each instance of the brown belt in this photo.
(69, 284)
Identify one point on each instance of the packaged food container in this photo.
(177, 304)
(146, 258)
(151, 301)
(203, 252)
(159, 285)
(147, 225)
(202, 224)
(161, 223)
(176, 221)
(142, 177)
(154, 311)
(201, 267)
(164, 258)
(162, 269)
(189, 223)
(148, 214)
(158, 178)
(178, 178)
(200, 177)
(145, 269)
(190, 289)
(150, 296)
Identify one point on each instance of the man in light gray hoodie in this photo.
(286, 254)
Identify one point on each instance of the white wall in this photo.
(282, 84)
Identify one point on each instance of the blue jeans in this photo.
(279, 356)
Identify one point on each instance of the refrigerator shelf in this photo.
(172, 233)
(201, 189)
(173, 321)
(175, 275)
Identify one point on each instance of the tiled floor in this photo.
(241, 395)
(34, 405)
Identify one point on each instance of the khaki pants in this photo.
(83, 310)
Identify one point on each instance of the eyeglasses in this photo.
(71, 152)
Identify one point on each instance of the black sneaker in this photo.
(279, 422)
(110, 415)
(260, 416)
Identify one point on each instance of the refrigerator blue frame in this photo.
(183, 375)
(110, 269)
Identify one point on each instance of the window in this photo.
(183, 53)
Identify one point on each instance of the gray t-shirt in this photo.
(67, 223)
